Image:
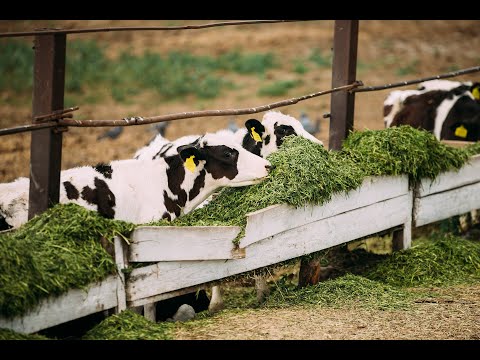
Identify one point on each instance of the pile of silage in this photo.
(442, 260)
(306, 173)
(303, 173)
(7, 334)
(128, 325)
(402, 150)
(52, 253)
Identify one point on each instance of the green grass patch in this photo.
(7, 334)
(320, 59)
(52, 253)
(16, 66)
(128, 325)
(444, 260)
(278, 88)
(345, 291)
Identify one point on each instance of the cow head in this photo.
(224, 159)
(265, 137)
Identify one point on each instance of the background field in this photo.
(112, 75)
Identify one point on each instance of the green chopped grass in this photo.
(7, 334)
(345, 291)
(402, 150)
(52, 253)
(444, 260)
(128, 325)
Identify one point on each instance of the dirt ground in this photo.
(421, 48)
(454, 315)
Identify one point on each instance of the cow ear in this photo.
(255, 129)
(475, 89)
(191, 156)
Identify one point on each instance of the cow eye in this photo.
(228, 154)
(281, 131)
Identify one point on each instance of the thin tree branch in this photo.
(137, 28)
(410, 82)
(193, 114)
(57, 114)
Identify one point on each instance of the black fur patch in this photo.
(3, 224)
(281, 131)
(104, 169)
(175, 176)
(221, 161)
(171, 205)
(267, 139)
(163, 150)
(101, 196)
(71, 190)
(197, 185)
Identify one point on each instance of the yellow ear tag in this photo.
(461, 132)
(190, 164)
(255, 135)
(476, 93)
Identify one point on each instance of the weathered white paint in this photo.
(72, 305)
(169, 276)
(163, 296)
(168, 243)
(446, 204)
(121, 264)
(277, 218)
(468, 174)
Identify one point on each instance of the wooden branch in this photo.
(56, 115)
(186, 115)
(410, 82)
(137, 28)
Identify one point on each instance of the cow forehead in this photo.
(274, 117)
(225, 138)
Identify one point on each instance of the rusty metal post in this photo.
(341, 116)
(46, 144)
(344, 71)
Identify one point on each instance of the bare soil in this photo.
(388, 51)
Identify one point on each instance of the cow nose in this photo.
(268, 167)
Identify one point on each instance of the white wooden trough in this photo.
(272, 235)
(188, 258)
(449, 194)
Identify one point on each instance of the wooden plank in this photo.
(457, 143)
(277, 218)
(169, 243)
(72, 305)
(164, 277)
(121, 264)
(446, 204)
(163, 296)
(468, 174)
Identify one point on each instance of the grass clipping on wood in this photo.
(306, 173)
(128, 325)
(52, 253)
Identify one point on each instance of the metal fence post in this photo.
(344, 70)
(46, 144)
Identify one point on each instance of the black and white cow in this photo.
(260, 138)
(451, 112)
(140, 191)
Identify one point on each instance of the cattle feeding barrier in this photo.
(203, 255)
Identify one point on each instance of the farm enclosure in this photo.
(214, 121)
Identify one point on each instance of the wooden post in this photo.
(46, 144)
(342, 105)
(344, 69)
